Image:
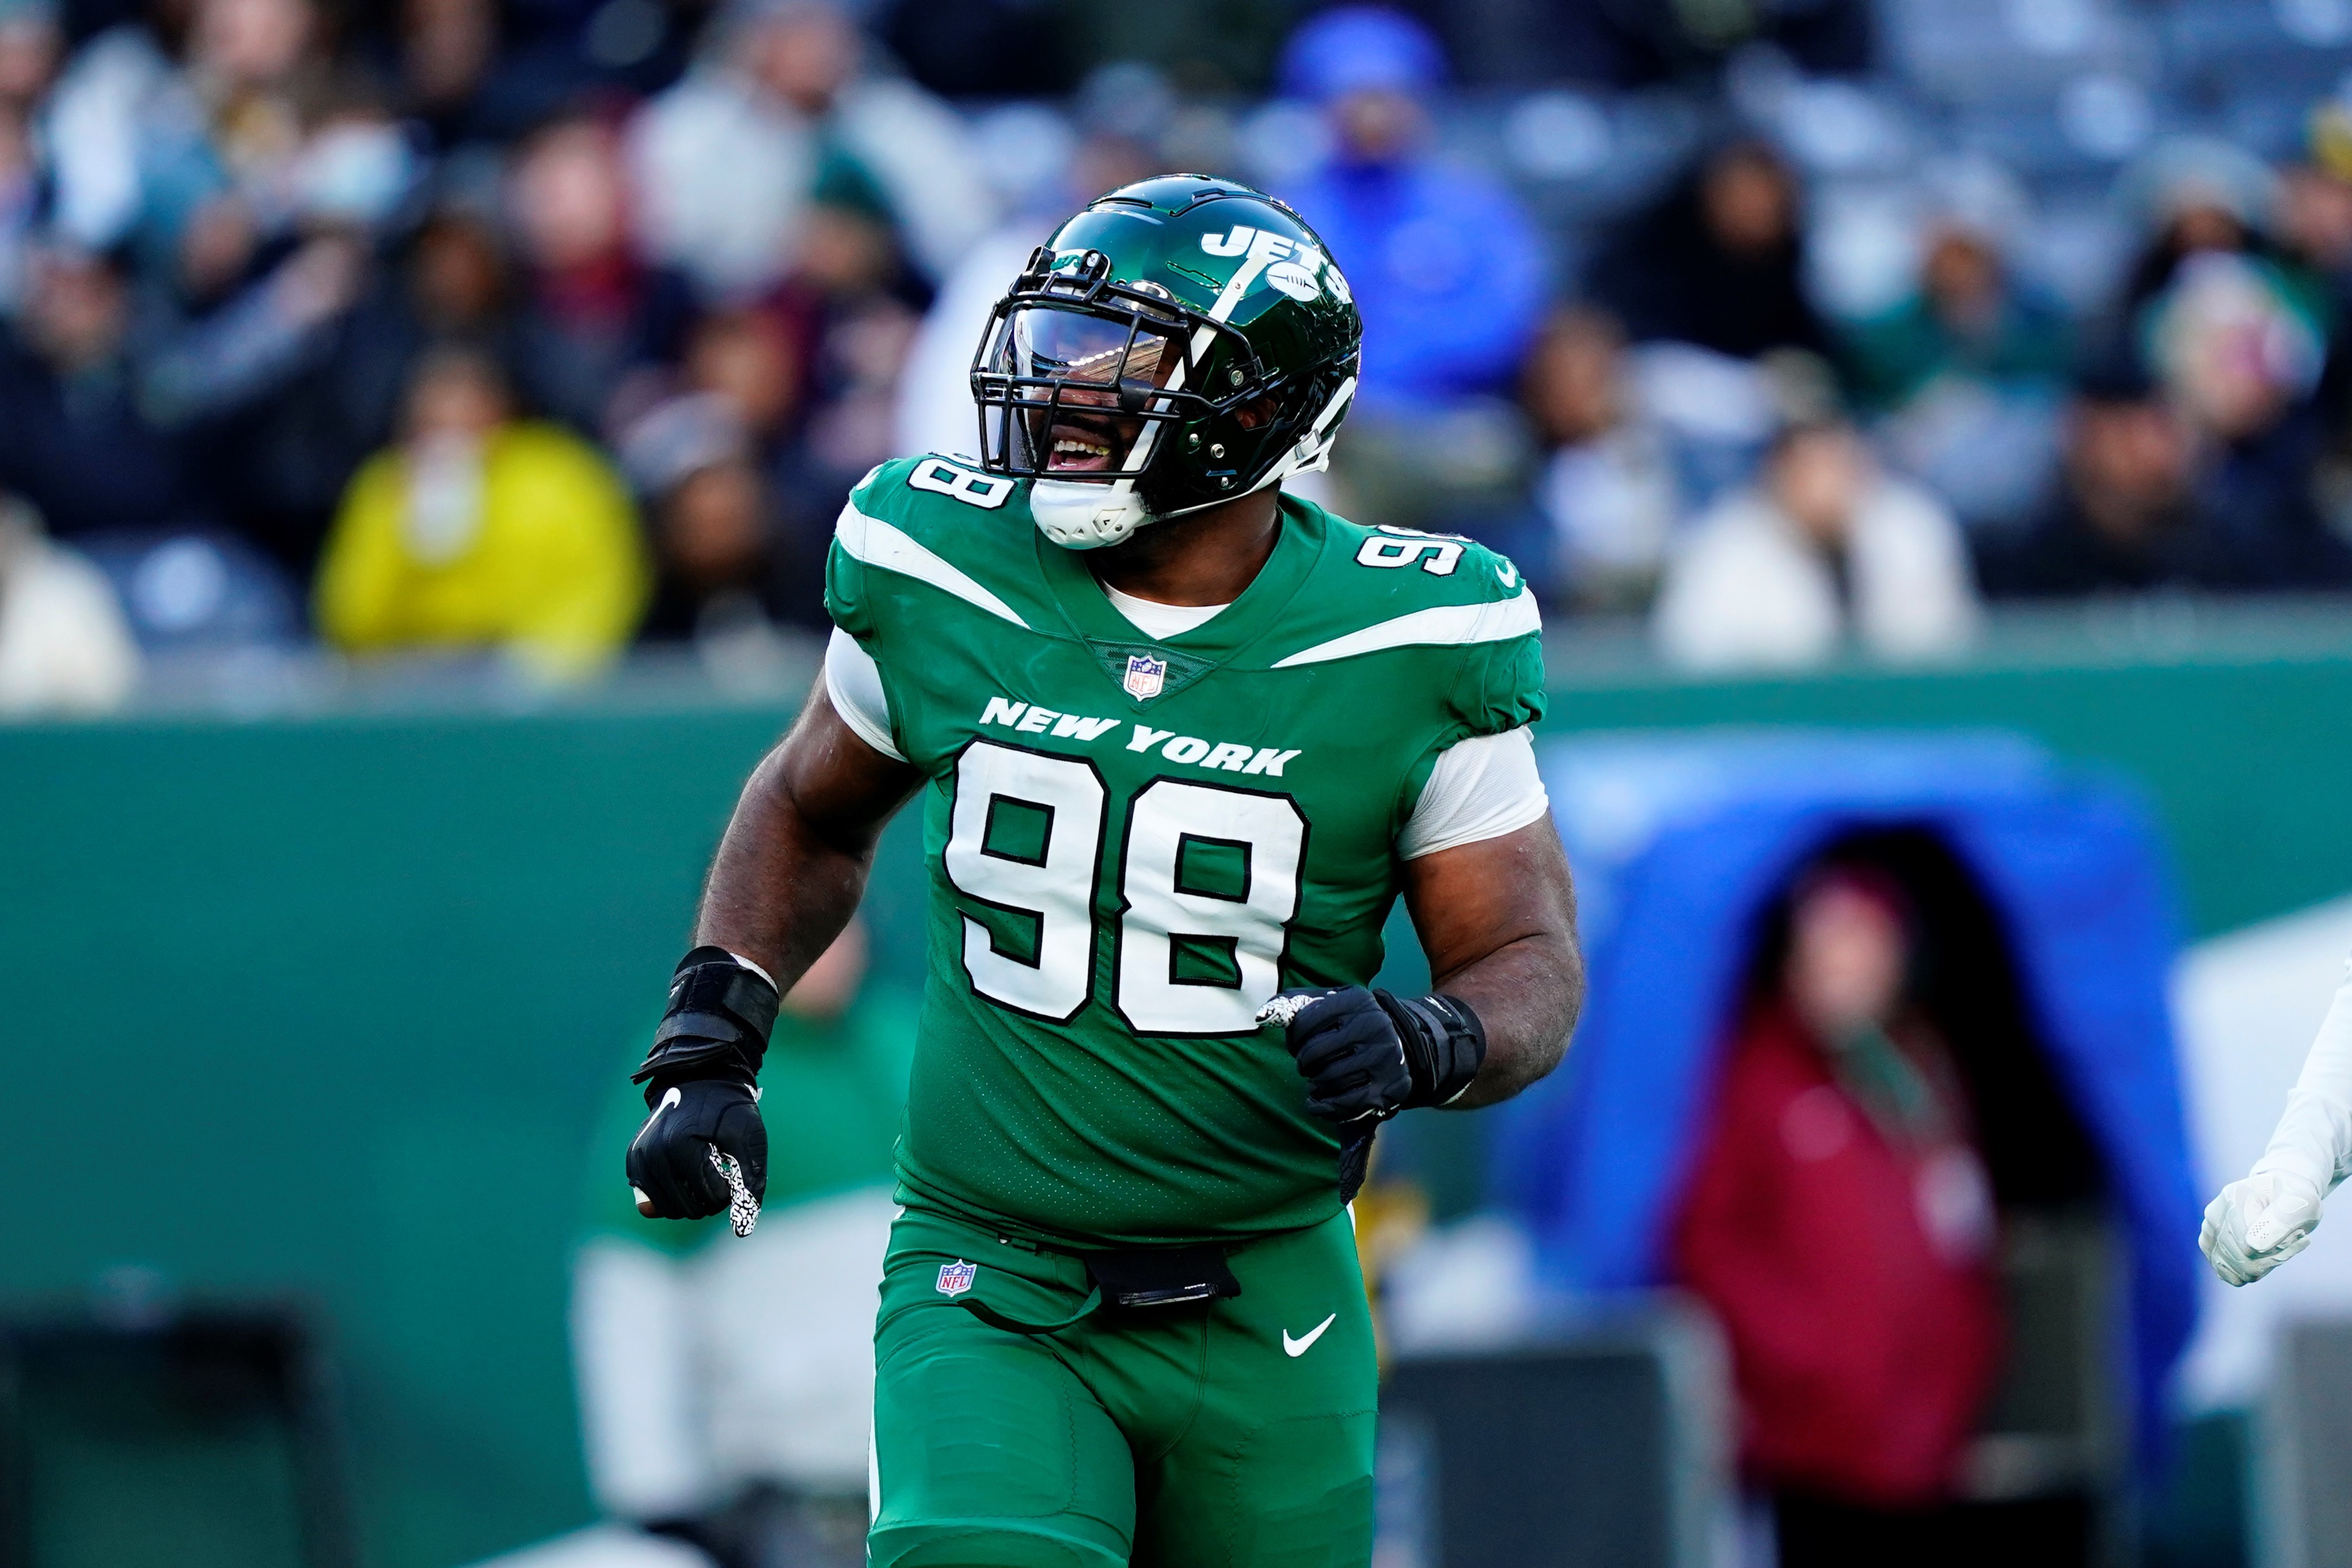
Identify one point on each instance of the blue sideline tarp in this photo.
(1681, 843)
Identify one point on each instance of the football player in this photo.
(1181, 740)
(2261, 1222)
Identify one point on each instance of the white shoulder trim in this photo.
(1481, 788)
(1447, 624)
(878, 544)
(853, 684)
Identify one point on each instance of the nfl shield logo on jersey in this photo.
(955, 1279)
(1145, 676)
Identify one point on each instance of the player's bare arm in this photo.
(1497, 919)
(793, 865)
(787, 878)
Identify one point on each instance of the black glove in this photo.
(669, 1161)
(699, 1083)
(1370, 1053)
(1366, 1055)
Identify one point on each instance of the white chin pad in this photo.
(1086, 516)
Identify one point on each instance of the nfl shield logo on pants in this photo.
(1145, 676)
(955, 1279)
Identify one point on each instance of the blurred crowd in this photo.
(531, 332)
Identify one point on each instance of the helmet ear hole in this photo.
(1258, 413)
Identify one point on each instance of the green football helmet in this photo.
(1181, 342)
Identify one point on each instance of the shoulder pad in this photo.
(1392, 588)
(1441, 569)
(935, 520)
(919, 493)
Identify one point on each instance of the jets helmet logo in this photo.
(955, 1277)
(1297, 268)
(1145, 676)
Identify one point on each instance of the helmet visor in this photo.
(1078, 389)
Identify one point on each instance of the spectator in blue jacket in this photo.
(1445, 266)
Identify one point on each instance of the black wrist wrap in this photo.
(1445, 1045)
(721, 1014)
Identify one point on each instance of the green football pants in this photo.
(1231, 1434)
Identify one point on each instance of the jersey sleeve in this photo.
(1496, 687)
(848, 599)
(853, 684)
(866, 644)
(1499, 685)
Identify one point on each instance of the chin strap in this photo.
(1087, 517)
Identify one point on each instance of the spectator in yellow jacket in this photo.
(483, 530)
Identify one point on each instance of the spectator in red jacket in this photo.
(1840, 1224)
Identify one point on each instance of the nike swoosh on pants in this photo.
(1297, 1347)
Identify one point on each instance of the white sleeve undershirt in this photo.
(2315, 1136)
(1481, 788)
(854, 684)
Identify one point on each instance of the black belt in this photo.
(1141, 1278)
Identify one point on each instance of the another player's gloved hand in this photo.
(698, 1080)
(2257, 1224)
(1370, 1053)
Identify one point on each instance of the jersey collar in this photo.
(1090, 614)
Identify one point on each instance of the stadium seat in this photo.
(1629, 1410)
(2306, 1448)
(187, 1442)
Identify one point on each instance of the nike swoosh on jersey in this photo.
(1297, 1347)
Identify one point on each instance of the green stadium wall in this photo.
(322, 1010)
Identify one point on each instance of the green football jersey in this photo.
(1134, 843)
